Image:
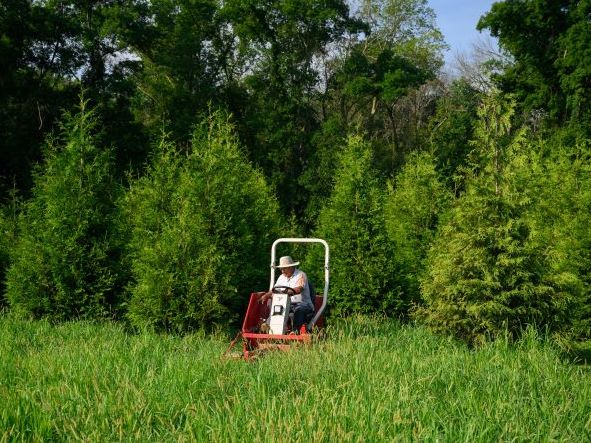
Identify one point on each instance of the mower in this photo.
(263, 330)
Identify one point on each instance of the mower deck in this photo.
(255, 343)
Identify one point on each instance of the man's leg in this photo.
(299, 317)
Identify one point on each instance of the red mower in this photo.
(264, 330)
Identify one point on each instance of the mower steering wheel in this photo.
(283, 289)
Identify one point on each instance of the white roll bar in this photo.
(326, 269)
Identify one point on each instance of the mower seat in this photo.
(310, 316)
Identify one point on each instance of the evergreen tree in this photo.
(8, 222)
(318, 177)
(65, 262)
(487, 274)
(4, 235)
(202, 223)
(415, 202)
(560, 221)
(363, 277)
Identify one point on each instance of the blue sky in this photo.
(457, 20)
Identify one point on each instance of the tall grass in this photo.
(371, 380)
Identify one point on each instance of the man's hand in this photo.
(290, 292)
(264, 296)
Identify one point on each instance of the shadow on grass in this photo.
(580, 354)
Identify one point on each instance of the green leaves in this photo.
(489, 271)
(65, 262)
(407, 27)
(415, 202)
(363, 274)
(202, 223)
(549, 41)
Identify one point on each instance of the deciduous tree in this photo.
(549, 41)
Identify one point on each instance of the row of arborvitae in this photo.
(174, 252)
(512, 250)
(183, 245)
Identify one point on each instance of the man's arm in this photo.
(300, 284)
(264, 296)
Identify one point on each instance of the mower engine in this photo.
(280, 305)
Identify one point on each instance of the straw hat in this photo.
(287, 262)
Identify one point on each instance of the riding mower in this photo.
(263, 330)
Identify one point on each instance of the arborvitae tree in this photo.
(3, 255)
(318, 177)
(415, 202)
(363, 277)
(561, 220)
(487, 274)
(202, 224)
(65, 262)
(8, 222)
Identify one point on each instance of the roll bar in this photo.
(326, 269)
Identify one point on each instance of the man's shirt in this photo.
(298, 279)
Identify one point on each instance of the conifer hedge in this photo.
(6, 237)
(488, 273)
(561, 222)
(65, 263)
(364, 278)
(415, 202)
(202, 223)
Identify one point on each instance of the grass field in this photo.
(366, 382)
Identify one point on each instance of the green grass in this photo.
(366, 382)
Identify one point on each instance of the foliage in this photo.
(31, 90)
(529, 31)
(373, 88)
(65, 263)
(561, 221)
(202, 223)
(285, 35)
(575, 65)
(415, 202)
(451, 129)
(407, 27)
(8, 236)
(297, 76)
(549, 41)
(487, 274)
(181, 65)
(372, 380)
(283, 41)
(50, 51)
(4, 244)
(363, 278)
(319, 176)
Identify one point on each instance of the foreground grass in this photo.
(366, 382)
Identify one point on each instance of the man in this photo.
(298, 289)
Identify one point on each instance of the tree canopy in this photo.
(209, 128)
(549, 41)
